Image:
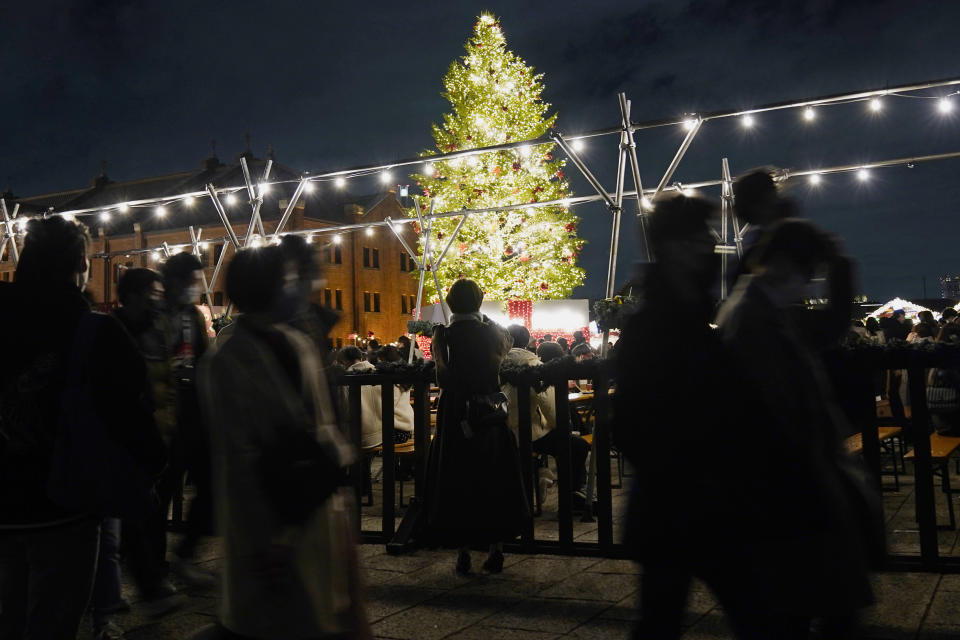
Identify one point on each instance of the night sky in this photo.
(145, 86)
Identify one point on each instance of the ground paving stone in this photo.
(602, 628)
(548, 568)
(429, 621)
(593, 586)
(539, 614)
(616, 566)
(902, 602)
(480, 632)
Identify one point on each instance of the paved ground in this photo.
(418, 596)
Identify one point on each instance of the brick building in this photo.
(368, 275)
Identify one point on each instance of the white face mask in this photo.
(191, 294)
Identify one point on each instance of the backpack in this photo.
(90, 472)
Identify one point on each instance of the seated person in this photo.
(543, 413)
(371, 426)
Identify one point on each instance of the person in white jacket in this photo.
(371, 421)
(543, 414)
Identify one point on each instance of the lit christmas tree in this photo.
(528, 253)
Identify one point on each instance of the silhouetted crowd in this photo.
(726, 413)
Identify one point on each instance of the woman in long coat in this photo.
(475, 493)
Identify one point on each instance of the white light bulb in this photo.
(336, 239)
(876, 105)
(689, 124)
(231, 200)
(814, 178)
(577, 145)
(264, 188)
(646, 203)
(68, 216)
(105, 216)
(339, 183)
(809, 114)
(385, 177)
(863, 175)
(944, 105)
(188, 201)
(204, 246)
(310, 239)
(747, 121)
(688, 193)
(155, 256)
(161, 211)
(309, 187)
(369, 231)
(124, 207)
(429, 169)
(22, 223)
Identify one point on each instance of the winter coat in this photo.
(40, 324)
(543, 411)
(250, 399)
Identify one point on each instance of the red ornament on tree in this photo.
(544, 286)
(508, 251)
(571, 227)
(524, 258)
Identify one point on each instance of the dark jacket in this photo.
(40, 324)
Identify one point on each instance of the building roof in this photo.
(326, 203)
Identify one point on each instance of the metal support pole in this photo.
(403, 242)
(256, 201)
(453, 236)
(218, 267)
(194, 240)
(724, 233)
(694, 130)
(8, 222)
(728, 187)
(635, 172)
(290, 205)
(223, 216)
(422, 263)
(578, 163)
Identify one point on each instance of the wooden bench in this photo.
(885, 435)
(399, 450)
(941, 449)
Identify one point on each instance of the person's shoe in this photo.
(463, 563)
(193, 575)
(494, 563)
(109, 631)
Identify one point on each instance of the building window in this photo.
(339, 298)
(376, 303)
(366, 301)
(376, 258)
(218, 299)
(371, 258)
(403, 264)
(413, 303)
(338, 255)
(403, 304)
(366, 257)
(328, 298)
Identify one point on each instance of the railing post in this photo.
(524, 435)
(565, 479)
(601, 453)
(389, 465)
(421, 434)
(923, 468)
(353, 412)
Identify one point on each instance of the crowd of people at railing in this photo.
(726, 414)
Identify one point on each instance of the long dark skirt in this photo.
(475, 490)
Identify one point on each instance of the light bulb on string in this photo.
(944, 105)
(104, 216)
(385, 177)
(809, 114)
(68, 216)
(310, 238)
(339, 183)
(309, 187)
(188, 201)
(863, 175)
(124, 207)
(161, 211)
(204, 246)
(876, 105)
(369, 231)
(231, 200)
(646, 203)
(336, 239)
(577, 145)
(689, 124)
(747, 121)
(814, 178)
(429, 169)
(264, 188)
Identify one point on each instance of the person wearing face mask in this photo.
(821, 526)
(189, 449)
(48, 552)
(289, 554)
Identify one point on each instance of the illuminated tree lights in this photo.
(527, 253)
